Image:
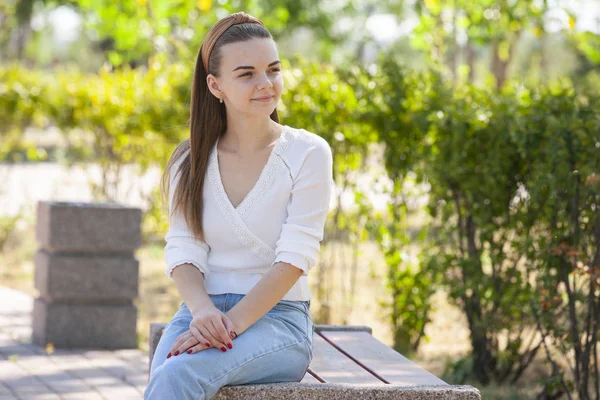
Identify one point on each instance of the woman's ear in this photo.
(213, 86)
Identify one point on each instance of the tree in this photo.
(452, 31)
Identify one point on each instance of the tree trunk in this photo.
(471, 62)
(484, 363)
(499, 66)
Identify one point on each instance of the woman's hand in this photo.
(187, 342)
(210, 326)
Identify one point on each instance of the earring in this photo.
(220, 99)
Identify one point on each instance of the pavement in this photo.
(29, 371)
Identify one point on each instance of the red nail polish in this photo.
(207, 344)
(189, 352)
(177, 352)
(223, 349)
(230, 346)
(169, 356)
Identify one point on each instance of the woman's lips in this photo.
(264, 99)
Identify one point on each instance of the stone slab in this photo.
(345, 391)
(84, 326)
(89, 277)
(91, 227)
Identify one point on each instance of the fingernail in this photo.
(189, 352)
(223, 349)
(169, 356)
(177, 352)
(207, 344)
(230, 346)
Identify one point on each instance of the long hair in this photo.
(208, 121)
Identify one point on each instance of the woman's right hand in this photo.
(213, 326)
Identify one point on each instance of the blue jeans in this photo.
(276, 348)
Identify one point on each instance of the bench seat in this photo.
(348, 363)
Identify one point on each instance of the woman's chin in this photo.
(263, 109)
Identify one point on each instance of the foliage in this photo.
(497, 25)
(395, 99)
(476, 170)
(109, 118)
(322, 99)
(483, 155)
(131, 31)
(7, 227)
(20, 94)
(561, 226)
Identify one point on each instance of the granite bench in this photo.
(348, 363)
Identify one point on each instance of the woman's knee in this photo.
(287, 364)
(172, 369)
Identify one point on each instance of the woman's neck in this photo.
(245, 136)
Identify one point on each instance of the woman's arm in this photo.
(207, 324)
(186, 258)
(299, 242)
(186, 261)
(190, 284)
(264, 295)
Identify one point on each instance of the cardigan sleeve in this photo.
(181, 245)
(302, 232)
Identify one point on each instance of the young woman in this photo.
(248, 200)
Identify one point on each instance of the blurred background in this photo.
(466, 140)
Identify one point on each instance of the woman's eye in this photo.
(250, 73)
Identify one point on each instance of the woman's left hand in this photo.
(186, 342)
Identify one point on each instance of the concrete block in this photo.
(84, 326)
(89, 277)
(91, 227)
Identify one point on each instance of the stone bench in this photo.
(348, 363)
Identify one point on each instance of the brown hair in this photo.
(208, 119)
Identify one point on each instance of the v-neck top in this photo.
(281, 219)
(259, 186)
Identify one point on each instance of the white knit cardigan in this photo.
(281, 219)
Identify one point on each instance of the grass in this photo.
(447, 334)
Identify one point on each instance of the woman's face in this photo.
(250, 80)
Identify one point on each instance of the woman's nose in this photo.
(264, 82)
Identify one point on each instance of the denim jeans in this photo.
(276, 348)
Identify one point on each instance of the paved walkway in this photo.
(28, 371)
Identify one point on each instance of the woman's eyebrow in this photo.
(250, 67)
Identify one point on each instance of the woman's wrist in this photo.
(239, 325)
(200, 309)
